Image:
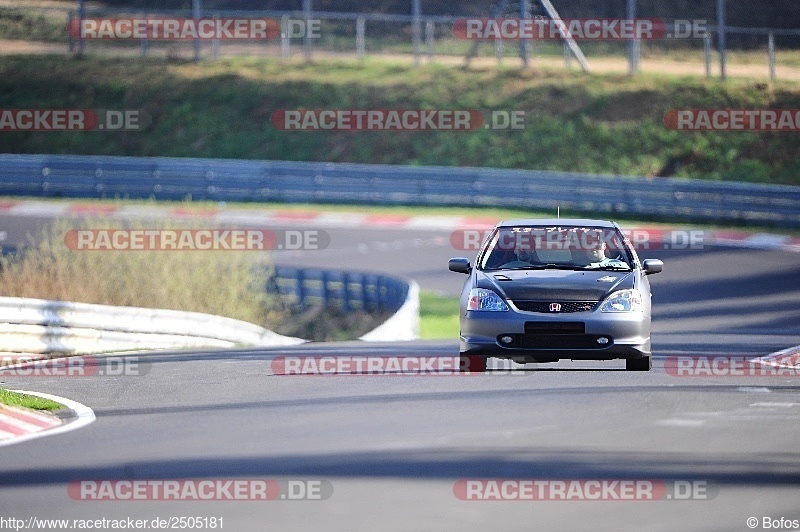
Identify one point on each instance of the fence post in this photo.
(524, 13)
(215, 42)
(430, 37)
(415, 13)
(307, 10)
(196, 14)
(721, 37)
(145, 43)
(771, 51)
(633, 44)
(499, 49)
(81, 16)
(361, 37)
(70, 39)
(707, 52)
(286, 52)
(567, 57)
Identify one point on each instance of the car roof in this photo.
(557, 222)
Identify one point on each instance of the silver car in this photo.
(548, 289)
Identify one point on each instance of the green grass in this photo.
(438, 316)
(28, 401)
(29, 24)
(605, 124)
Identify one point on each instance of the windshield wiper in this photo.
(548, 267)
(608, 267)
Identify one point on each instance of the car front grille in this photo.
(545, 306)
(563, 341)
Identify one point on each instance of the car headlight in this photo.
(623, 301)
(483, 299)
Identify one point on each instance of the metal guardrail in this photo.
(370, 292)
(40, 326)
(300, 182)
(305, 287)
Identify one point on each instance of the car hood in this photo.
(554, 285)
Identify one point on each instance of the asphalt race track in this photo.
(390, 449)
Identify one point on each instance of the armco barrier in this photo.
(40, 326)
(47, 327)
(305, 287)
(237, 180)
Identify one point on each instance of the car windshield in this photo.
(540, 247)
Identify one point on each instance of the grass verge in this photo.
(438, 316)
(605, 124)
(28, 401)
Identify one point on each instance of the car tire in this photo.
(472, 364)
(639, 364)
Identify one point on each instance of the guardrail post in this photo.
(300, 290)
(346, 295)
(361, 38)
(326, 291)
(771, 52)
(366, 291)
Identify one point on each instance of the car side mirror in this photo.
(651, 266)
(459, 265)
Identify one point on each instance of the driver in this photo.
(596, 258)
(524, 256)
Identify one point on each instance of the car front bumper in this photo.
(547, 337)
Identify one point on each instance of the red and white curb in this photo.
(324, 219)
(16, 421)
(18, 425)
